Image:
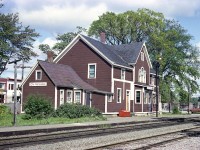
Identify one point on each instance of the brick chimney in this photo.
(50, 55)
(103, 37)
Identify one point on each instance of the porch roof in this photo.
(64, 76)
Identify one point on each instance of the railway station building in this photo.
(90, 72)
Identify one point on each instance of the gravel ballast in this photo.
(85, 143)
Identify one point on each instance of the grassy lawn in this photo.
(7, 120)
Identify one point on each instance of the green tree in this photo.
(16, 40)
(165, 39)
(62, 41)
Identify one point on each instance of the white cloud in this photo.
(171, 8)
(62, 16)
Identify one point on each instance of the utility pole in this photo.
(15, 89)
(157, 65)
(188, 99)
(23, 67)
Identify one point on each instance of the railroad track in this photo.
(150, 142)
(43, 138)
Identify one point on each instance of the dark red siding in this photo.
(48, 90)
(114, 106)
(128, 74)
(117, 73)
(78, 58)
(98, 101)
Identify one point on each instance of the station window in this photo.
(123, 74)
(69, 96)
(138, 97)
(119, 95)
(92, 71)
(77, 96)
(38, 75)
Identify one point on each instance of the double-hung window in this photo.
(142, 75)
(69, 96)
(38, 75)
(123, 74)
(119, 95)
(11, 86)
(92, 71)
(77, 96)
(138, 96)
(142, 56)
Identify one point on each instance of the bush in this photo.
(175, 110)
(4, 110)
(76, 111)
(37, 106)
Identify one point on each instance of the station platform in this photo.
(111, 121)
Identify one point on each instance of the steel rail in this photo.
(64, 136)
(148, 146)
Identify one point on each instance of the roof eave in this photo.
(122, 66)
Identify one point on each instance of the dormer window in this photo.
(38, 75)
(123, 74)
(92, 71)
(142, 75)
(142, 56)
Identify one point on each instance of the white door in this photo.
(127, 100)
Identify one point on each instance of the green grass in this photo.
(7, 120)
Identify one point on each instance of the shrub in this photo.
(37, 106)
(76, 111)
(175, 110)
(4, 110)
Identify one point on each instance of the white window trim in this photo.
(36, 74)
(123, 77)
(120, 98)
(142, 56)
(75, 95)
(136, 96)
(63, 91)
(89, 70)
(67, 96)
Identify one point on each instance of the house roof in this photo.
(64, 76)
(119, 54)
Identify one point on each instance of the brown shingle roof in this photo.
(64, 76)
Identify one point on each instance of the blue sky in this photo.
(52, 17)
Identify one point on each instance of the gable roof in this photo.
(122, 55)
(119, 54)
(64, 76)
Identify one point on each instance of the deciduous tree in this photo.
(165, 38)
(16, 40)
